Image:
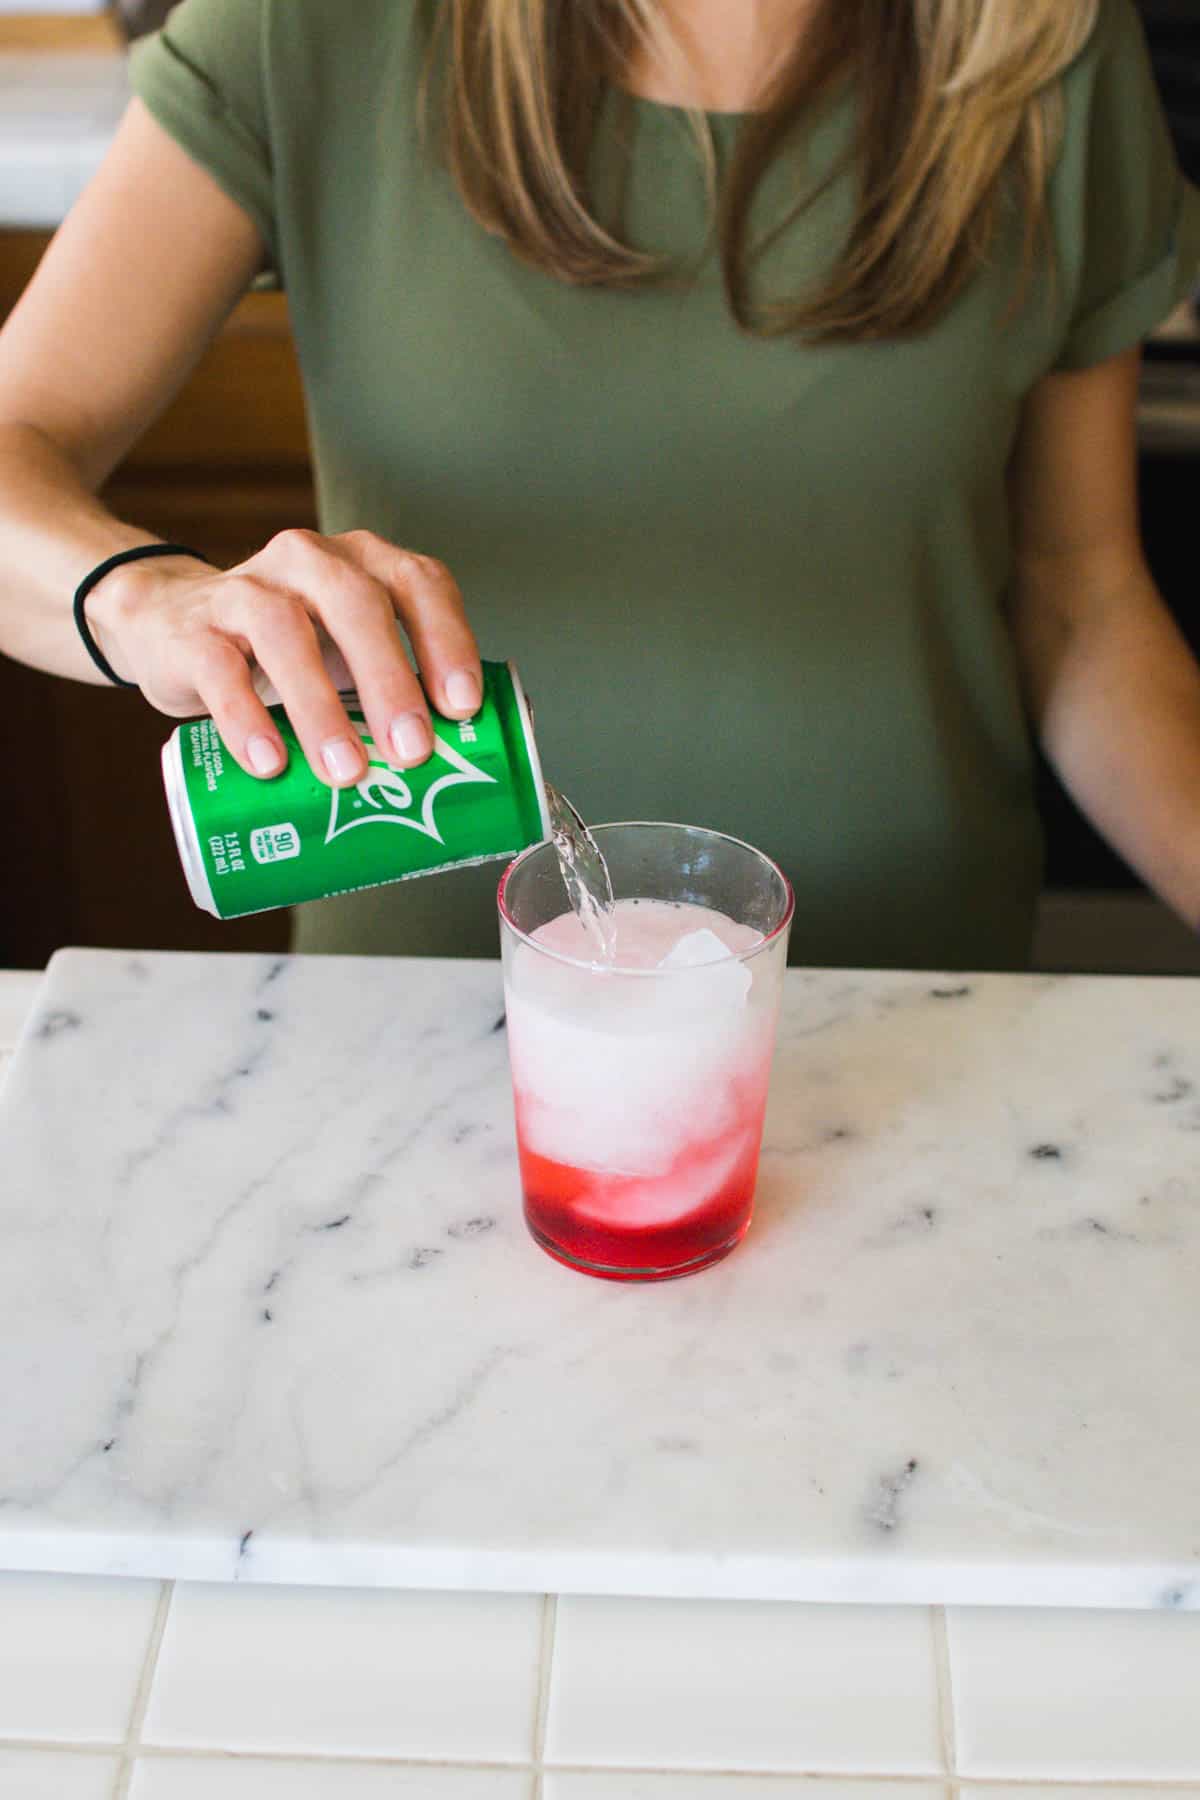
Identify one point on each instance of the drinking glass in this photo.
(640, 1093)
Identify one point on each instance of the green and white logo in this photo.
(385, 796)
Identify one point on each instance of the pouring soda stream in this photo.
(585, 875)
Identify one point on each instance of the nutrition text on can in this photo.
(248, 845)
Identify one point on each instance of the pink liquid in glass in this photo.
(640, 1096)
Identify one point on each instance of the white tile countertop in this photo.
(126, 1689)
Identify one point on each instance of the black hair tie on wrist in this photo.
(97, 575)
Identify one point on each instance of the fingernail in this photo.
(342, 759)
(410, 737)
(462, 691)
(264, 754)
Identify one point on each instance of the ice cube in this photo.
(728, 985)
(694, 947)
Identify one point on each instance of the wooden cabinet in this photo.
(89, 857)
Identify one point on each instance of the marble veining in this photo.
(268, 1311)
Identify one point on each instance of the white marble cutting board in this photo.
(268, 1310)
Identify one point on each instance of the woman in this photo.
(762, 379)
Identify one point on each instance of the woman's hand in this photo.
(305, 616)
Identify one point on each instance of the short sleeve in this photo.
(202, 78)
(1127, 224)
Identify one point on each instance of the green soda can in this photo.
(248, 845)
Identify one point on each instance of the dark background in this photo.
(1173, 27)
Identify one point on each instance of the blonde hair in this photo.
(959, 115)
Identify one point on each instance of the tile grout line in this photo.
(81, 1747)
(545, 1675)
(947, 1724)
(1119, 1786)
(141, 1699)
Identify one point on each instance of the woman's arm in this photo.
(133, 288)
(131, 291)
(1110, 681)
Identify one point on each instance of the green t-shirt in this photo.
(749, 584)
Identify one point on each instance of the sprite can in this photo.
(248, 845)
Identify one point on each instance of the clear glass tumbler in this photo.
(640, 1092)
